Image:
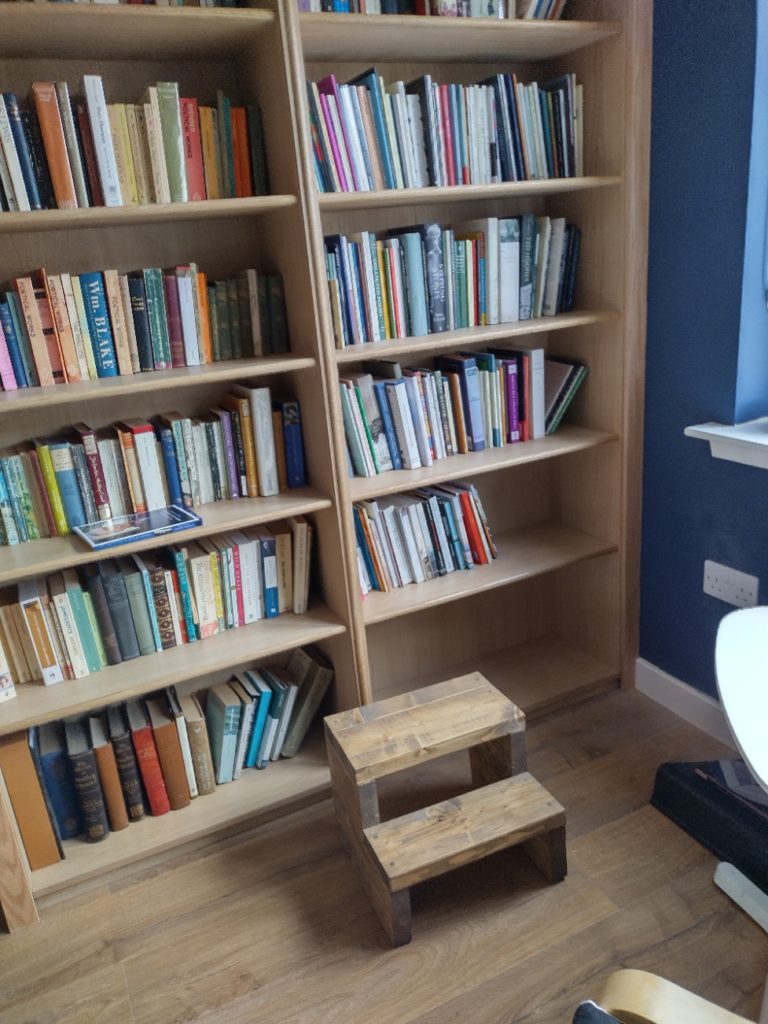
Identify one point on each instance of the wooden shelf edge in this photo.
(522, 554)
(133, 216)
(155, 380)
(566, 440)
(342, 201)
(52, 554)
(471, 336)
(403, 37)
(35, 703)
(256, 797)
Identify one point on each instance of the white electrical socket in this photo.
(730, 585)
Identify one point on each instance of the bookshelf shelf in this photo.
(341, 201)
(351, 37)
(471, 336)
(118, 32)
(134, 216)
(568, 439)
(52, 554)
(521, 553)
(257, 796)
(143, 383)
(35, 703)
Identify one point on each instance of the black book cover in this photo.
(127, 769)
(695, 796)
(95, 587)
(138, 295)
(87, 785)
(120, 610)
(38, 158)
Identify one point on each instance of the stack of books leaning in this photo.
(64, 328)
(431, 278)
(368, 136)
(413, 537)
(249, 445)
(548, 10)
(404, 418)
(88, 776)
(77, 622)
(66, 153)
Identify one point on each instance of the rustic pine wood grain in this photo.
(16, 901)
(273, 928)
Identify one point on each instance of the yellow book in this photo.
(52, 487)
(84, 329)
(384, 278)
(139, 152)
(206, 343)
(218, 593)
(118, 127)
(209, 136)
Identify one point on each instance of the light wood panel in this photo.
(397, 37)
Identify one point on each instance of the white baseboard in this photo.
(688, 703)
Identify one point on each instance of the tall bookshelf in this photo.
(553, 619)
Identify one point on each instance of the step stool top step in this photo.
(436, 839)
(383, 738)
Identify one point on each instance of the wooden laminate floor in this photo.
(273, 927)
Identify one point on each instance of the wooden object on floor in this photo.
(638, 997)
(509, 808)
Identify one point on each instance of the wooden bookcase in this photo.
(553, 619)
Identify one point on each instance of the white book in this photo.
(261, 422)
(149, 467)
(413, 391)
(114, 491)
(400, 503)
(5, 181)
(70, 140)
(186, 751)
(285, 717)
(396, 93)
(509, 270)
(383, 543)
(419, 517)
(188, 319)
(352, 136)
(247, 707)
(445, 544)
(364, 241)
(537, 393)
(433, 408)
(98, 118)
(554, 267)
(250, 574)
(202, 462)
(392, 521)
(16, 194)
(341, 142)
(362, 572)
(162, 189)
(416, 126)
(76, 326)
(37, 626)
(168, 579)
(401, 415)
(72, 642)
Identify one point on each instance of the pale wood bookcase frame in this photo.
(555, 617)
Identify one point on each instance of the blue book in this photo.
(171, 464)
(290, 415)
(466, 367)
(14, 305)
(222, 716)
(8, 526)
(14, 496)
(47, 745)
(22, 149)
(371, 82)
(452, 531)
(415, 282)
(138, 562)
(66, 478)
(260, 716)
(180, 562)
(380, 390)
(362, 545)
(141, 326)
(274, 714)
(268, 570)
(14, 350)
(97, 315)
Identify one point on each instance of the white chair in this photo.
(741, 664)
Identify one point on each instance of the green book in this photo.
(222, 313)
(235, 326)
(258, 155)
(213, 318)
(244, 303)
(91, 612)
(158, 322)
(226, 149)
(137, 600)
(173, 139)
(84, 624)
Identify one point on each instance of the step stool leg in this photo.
(498, 759)
(547, 852)
(394, 911)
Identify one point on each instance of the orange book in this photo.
(209, 137)
(54, 143)
(241, 406)
(277, 430)
(61, 322)
(132, 473)
(28, 802)
(205, 317)
(240, 153)
(106, 765)
(458, 412)
(169, 752)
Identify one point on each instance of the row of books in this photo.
(404, 418)
(72, 625)
(536, 9)
(99, 773)
(59, 328)
(248, 446)
(413, 537)
(64, 153)
(431, 278)
(368, 136)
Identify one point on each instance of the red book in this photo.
(473, 530)
(89, 153)
(240, 153)
(173, 313)
(445, 120)
(147, 759)
(95, 470)
(193, 148)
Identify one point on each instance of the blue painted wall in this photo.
(697, 507)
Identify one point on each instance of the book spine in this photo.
(112, 791)
(66, 481)
(119, 606)
(84, 482)
(16, 193)
(118, 322)
(137, 600)
(90, 796)
(151, 773)
(42, 642)
(52, 129)
(128, 773)
(98, 117)
(97, 314)
(201, 757)
(96, 474)
(22, 150)
(171, 465)
(72, 145)
(193, 152)
(173, 139)
(106, 626)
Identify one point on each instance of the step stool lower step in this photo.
(436, 839)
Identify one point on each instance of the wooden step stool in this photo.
(508, 808)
